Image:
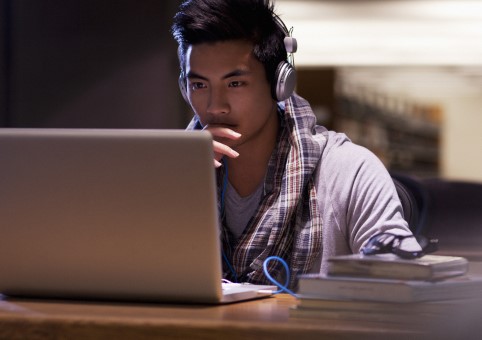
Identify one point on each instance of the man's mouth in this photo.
(221, 124)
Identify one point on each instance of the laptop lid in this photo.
(109, 214)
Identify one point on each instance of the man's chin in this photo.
(228, 142)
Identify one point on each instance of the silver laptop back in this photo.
(109, 214)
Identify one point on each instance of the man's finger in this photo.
(219, 131)
(222, 149)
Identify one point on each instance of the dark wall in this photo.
(3, 63)
(90, 63)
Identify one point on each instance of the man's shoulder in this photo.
(339, 147)
(344, 161)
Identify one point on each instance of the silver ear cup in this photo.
(285, 81)
(182, 87)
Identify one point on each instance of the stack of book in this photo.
(386, 288)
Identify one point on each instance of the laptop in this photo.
(112, 215)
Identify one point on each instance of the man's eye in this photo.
(197, 85)
(235, 84)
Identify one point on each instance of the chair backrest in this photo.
(414, 199)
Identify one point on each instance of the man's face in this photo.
(227, 87)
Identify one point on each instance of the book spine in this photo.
(376, 270)
(354, 290)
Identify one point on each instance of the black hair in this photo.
(205, 21)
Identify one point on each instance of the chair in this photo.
(414, 199)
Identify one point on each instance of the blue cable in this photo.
(230, 267)
(282, 287)
(223, 191)
(225, 184)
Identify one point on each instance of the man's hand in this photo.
(220, 149)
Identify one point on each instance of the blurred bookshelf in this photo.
(404, 134)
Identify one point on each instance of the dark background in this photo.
(89, 63)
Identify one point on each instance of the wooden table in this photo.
(260, 319)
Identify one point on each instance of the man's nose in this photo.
(218, 101)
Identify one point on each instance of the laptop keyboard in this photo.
(231, 287)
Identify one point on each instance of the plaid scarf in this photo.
(287, 222)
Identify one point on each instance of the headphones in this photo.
(284, 81)
(285, 76)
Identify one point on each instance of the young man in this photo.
(287, 187)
